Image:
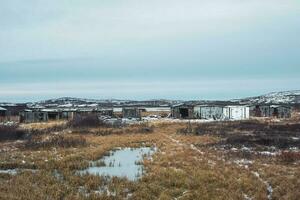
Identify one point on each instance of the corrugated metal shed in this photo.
(269, 110)
(236, 112)
(208, 112)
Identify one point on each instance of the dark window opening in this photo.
(257, 111)
(2, 113)
(184, 112)
(52, 116)
(275, 113)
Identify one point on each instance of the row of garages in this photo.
(278, 111)
(44, 115)
(10, 112)
(31, 115)
(181, 111)
(229, 112)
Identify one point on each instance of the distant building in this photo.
(213, 111)
(236, 112)
(131, 112)
(2, 114)
(281, 111)
(68, 113)
(31, 116)
(260, 111)
(297, 102)
(106, 112)
(51, 114)
(208, 112)
(265, 110)
(12, 111)
(183, 111)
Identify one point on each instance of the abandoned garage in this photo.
(209, 112)
(183, 111)
(277, 111)
(132, 112)
(2, 114)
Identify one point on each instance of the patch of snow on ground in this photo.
(269, 187)
(246, 197)
(267, 153)
(243, 162)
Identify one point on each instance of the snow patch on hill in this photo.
(286, 97)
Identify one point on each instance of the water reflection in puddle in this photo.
(15, 171)
(8, 171)
(124, 162)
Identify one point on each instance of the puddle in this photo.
(125, 162)
(8, 171)
(15, 171)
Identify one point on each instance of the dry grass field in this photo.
(232, 160)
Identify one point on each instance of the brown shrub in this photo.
(11, 133)
(104, 132)
(17, 165)
(56, 141)
(286, 127)
(85, 121)
(289, 156)
(56, 128)
(145, 128)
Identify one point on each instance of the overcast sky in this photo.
(141, 49)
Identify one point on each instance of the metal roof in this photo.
(2, 109)
(277, 106)
(49, 110)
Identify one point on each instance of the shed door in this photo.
(184, 112)
(237, 113)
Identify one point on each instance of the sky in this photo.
(139, 49)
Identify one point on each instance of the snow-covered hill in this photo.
(286, 97)
(80, 102)
(70, 100)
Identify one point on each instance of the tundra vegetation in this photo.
(219, 160)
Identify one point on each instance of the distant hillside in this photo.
(76, 101)
(70, 101)
(286, 97)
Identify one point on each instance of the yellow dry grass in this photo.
(43, 125)
(179, 170)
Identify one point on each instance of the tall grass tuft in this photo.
(11, 133)
(56, 141)
(90, 121)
